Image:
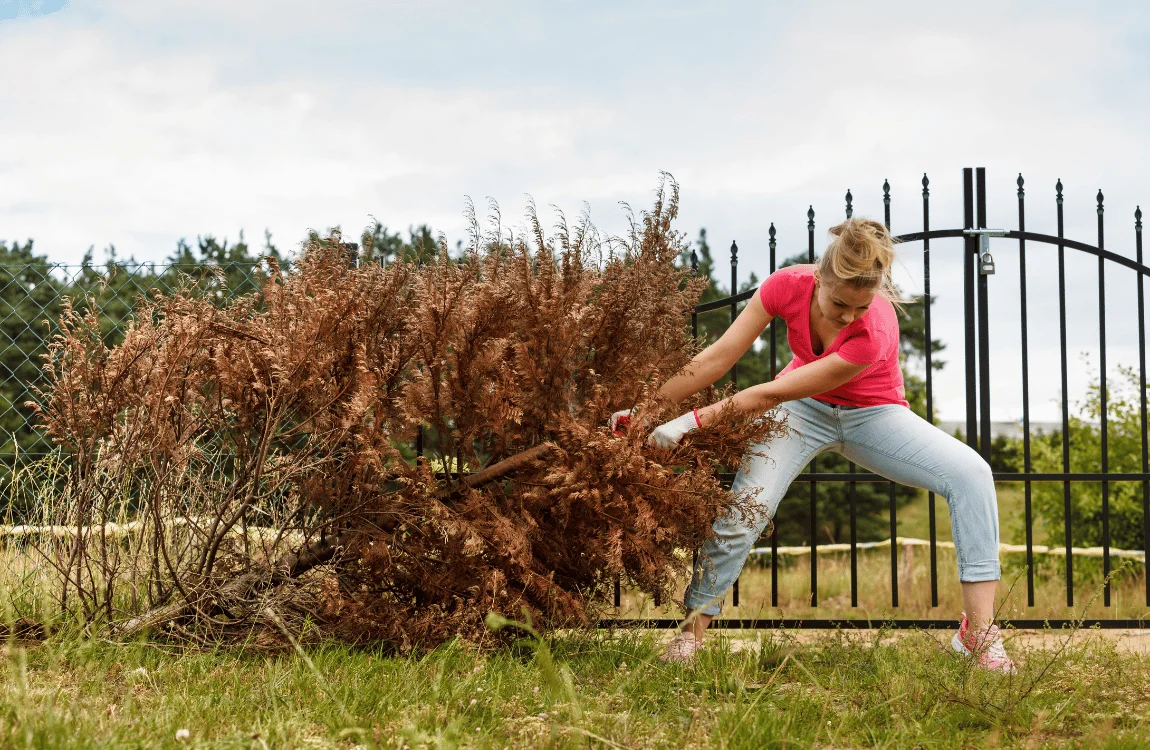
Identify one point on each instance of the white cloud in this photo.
(115, 147)
(139, 123)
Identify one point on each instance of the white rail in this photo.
(904, 541)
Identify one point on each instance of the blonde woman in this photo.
(842, 391)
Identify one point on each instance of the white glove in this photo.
(668, 434)
(625, 415)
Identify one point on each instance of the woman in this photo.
(842, 391)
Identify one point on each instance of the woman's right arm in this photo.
(713, 362)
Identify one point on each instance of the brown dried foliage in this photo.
(286, 411)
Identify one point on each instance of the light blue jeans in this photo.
(891, 441)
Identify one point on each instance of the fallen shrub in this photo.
(294, 409)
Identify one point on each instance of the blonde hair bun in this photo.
(860, 254)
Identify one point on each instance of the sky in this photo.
(134, 124)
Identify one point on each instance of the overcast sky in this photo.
(139, 123)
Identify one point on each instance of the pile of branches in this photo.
(266, 445)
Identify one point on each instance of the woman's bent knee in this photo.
(972, 478)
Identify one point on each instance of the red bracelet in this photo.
(698, 422)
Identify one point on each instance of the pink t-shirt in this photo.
(870, 340)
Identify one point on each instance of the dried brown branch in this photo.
(508, 465)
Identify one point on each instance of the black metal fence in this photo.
(978, 264)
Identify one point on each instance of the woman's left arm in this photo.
(811, 379)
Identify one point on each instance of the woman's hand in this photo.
(668, 434)
(620, 420)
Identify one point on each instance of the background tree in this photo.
(382, 246)
(220, 271)
(32, 290)
(29, 294)
(1124, 453)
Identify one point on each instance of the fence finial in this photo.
(694, 263)
(1020, 182)
(886, 203)
(811, 219)
(850, 208)
(734, 253)
(1058, 192)
(1138, 218)
(925, 186)
(1100, 209)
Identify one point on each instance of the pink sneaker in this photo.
(682, 648)
(985, 646)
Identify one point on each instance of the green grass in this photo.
(603, 689)
(579, 690)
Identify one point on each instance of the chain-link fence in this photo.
(34, 295)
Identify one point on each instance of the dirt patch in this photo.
(1125, 641)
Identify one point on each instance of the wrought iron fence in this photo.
(978, 264)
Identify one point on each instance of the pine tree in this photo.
(29, 295)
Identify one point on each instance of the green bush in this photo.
(1124, 453)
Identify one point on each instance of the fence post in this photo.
(814, 485)
(695, 338)
(1028, 510)
(969, 250)
(734, 367)
(774, 362)
(983, 327)
(929, 382)
(886, 203)
(1103, 410)
(1065, 396)
(852, 488)
(890, 489)
(351, 253)
(1142, 402)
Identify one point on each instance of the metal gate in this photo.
(978, 265)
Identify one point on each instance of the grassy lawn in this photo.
(578, 690)
(607, 689)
